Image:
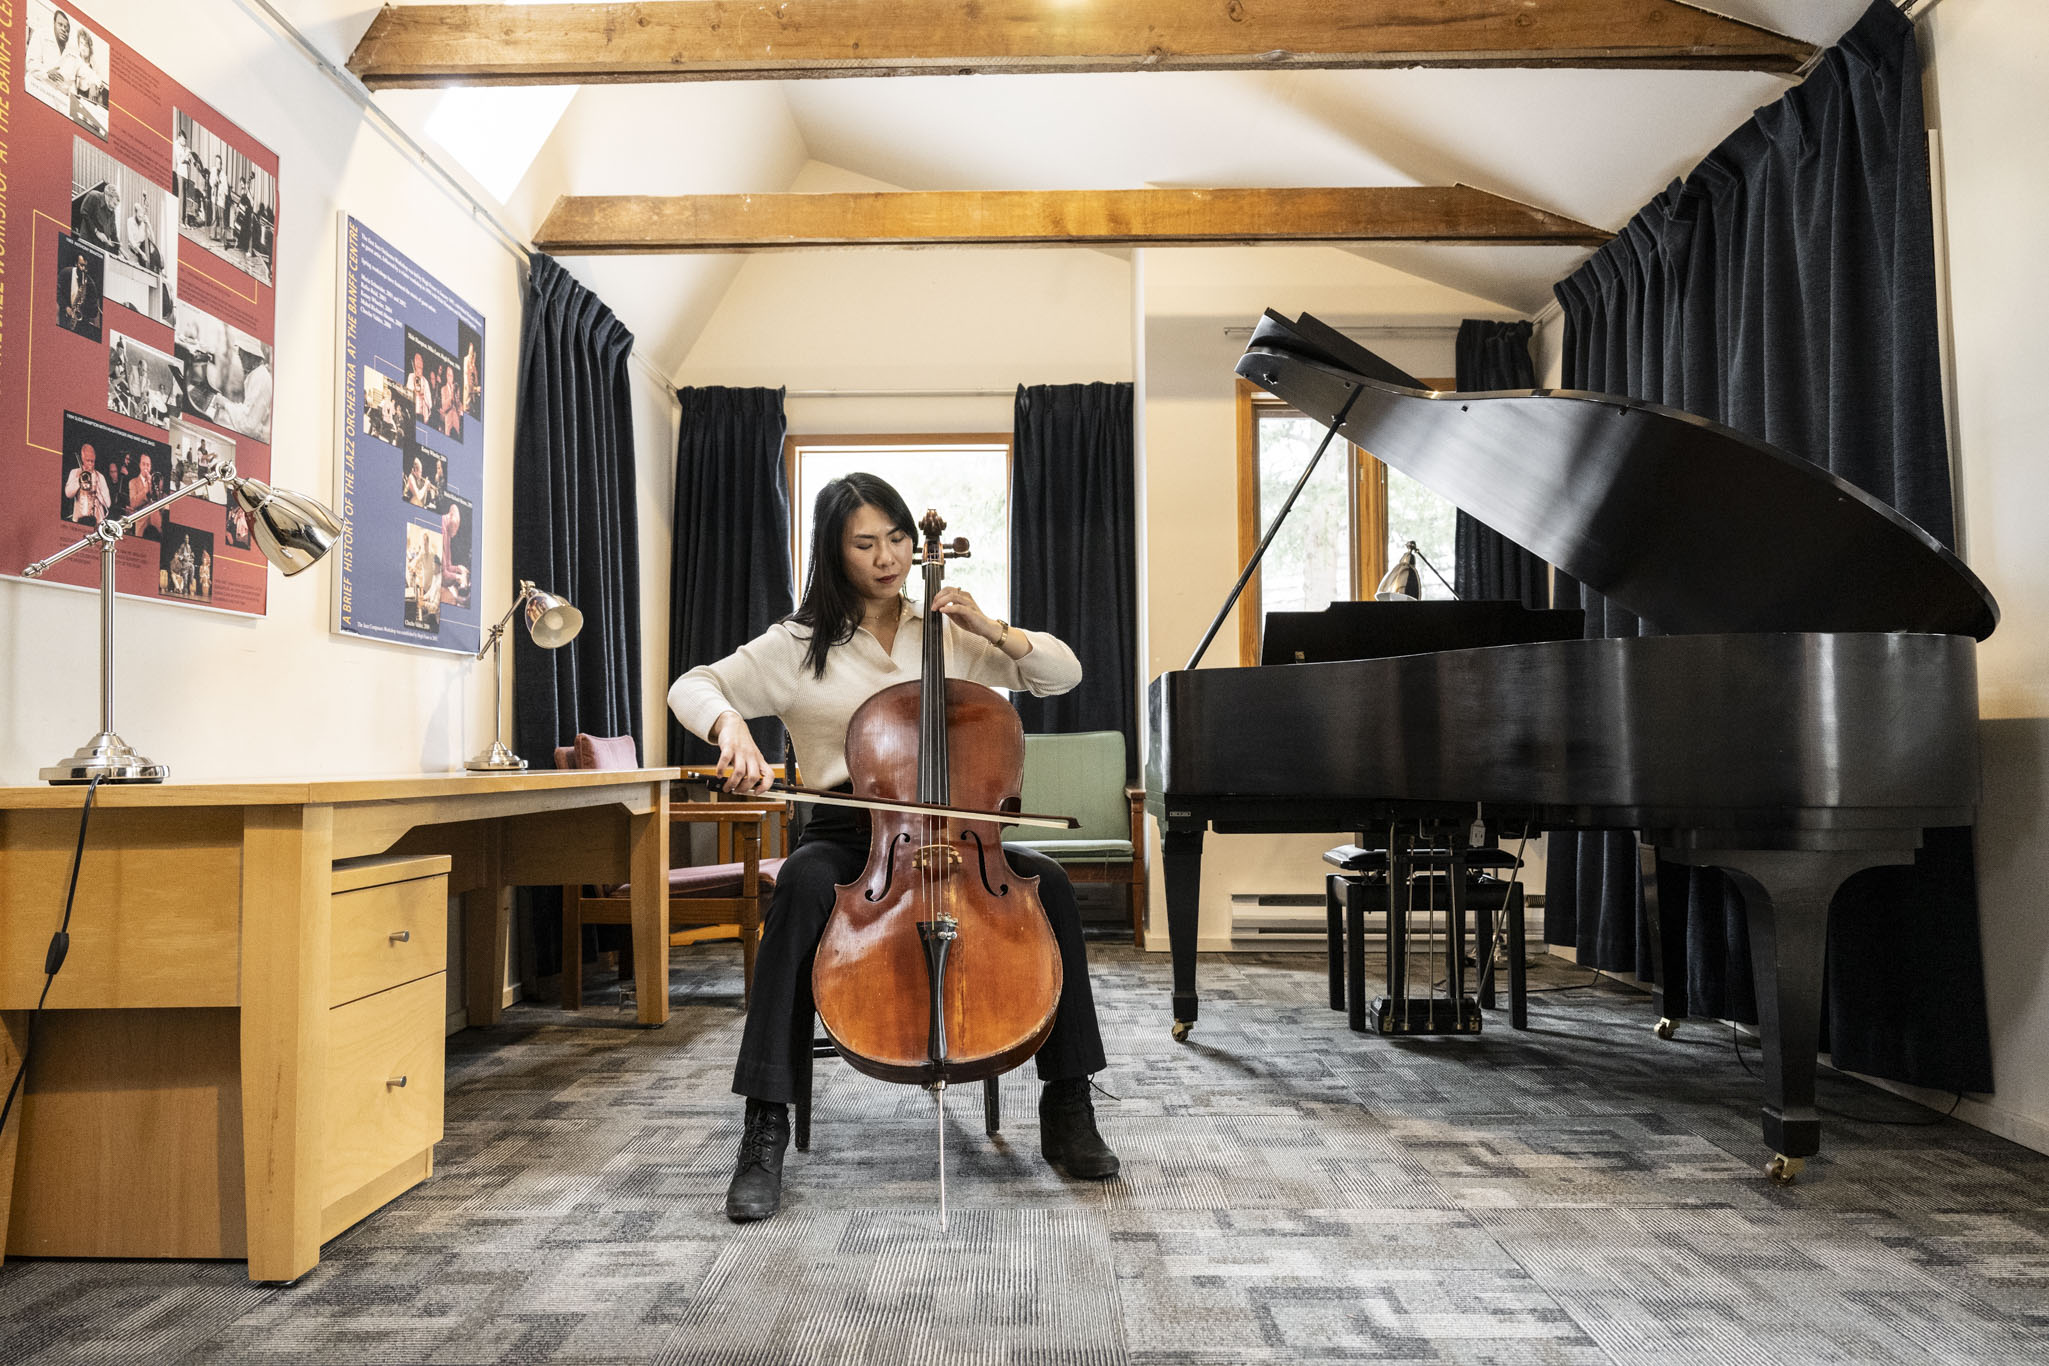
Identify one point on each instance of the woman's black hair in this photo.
(831, 607)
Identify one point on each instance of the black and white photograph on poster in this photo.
(469, 348)
(387, 408)
(226, 373)
(185, 563)
(142, 382)
(423, 578)
(455, 551)
(426, 477)
(226, 203)
(238, 527)
(134, 222)
(81, 283)
(68, 66)
(194, 450)
(432, 384)
(108, 471)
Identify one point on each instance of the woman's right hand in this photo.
(739, 757)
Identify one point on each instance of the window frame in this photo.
(794, 444)
(1366, 490)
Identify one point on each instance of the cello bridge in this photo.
(935, 857)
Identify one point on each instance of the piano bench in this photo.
(1349, 897)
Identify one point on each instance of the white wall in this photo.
(214, 695)
(1987, 99)
(894, 320)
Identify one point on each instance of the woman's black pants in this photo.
(780, 1015)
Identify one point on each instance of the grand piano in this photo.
(1811, 708)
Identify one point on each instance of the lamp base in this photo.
(497, 759)
(107, 757)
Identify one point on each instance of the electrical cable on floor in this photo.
(53, 958)
(1736, 1042)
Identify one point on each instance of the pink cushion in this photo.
(606, 751)
(565, 756)
(712, 879)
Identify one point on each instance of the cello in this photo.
(937, 965)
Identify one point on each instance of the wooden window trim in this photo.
(1369, 513)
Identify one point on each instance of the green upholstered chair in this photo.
(1082, 775)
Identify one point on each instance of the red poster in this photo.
(138, 313)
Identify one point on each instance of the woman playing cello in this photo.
(853, 635)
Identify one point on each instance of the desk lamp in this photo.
(552, 623)
(1404, 582)
(293, 532)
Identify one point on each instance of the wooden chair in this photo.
(734, 890)
(1082, 775)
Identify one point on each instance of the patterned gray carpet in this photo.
(1292, 1192)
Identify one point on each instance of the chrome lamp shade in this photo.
(292, 530)
(1403, 582)
(552, 622)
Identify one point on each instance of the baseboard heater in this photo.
(1279, 922)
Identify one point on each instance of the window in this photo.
(1352, 521)
(966, 478)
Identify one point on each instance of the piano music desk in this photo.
(195, 1089)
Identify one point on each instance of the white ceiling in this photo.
(1593, 145)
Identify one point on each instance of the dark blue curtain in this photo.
(1786, 288)
(1074, 550)
(575, 533)
(1492, 356)
(574, 510)
(730, 579)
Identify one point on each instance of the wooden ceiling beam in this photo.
(686, 40)
(594, 225)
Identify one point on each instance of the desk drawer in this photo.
(387, 934)
(371, 1124)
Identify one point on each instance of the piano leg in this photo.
(1181, 859)
(1668, 961)
(1518, 961)
(1785, 901)
(1355, 954)
(1334, 935)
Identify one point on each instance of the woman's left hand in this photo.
(959, 604)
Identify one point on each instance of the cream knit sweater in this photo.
(768, 677)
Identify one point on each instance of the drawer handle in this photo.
(401, 936)
(394, 1081)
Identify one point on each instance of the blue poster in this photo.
(412, 466)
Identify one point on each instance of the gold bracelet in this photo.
(1002, 633)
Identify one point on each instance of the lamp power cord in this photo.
(53, 958)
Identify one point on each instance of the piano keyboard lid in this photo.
(1689, 524)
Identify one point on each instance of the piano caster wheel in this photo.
(1783, 1170)
(1181, 1028)
(1665, 1029)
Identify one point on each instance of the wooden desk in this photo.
(184, 1108)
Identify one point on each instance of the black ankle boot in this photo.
(757, 1189)
(1067, 1131)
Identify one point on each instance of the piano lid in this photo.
(1689, 524)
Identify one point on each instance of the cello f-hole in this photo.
(889, 870)
(982, 861)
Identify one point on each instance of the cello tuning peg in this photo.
(960, 548)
